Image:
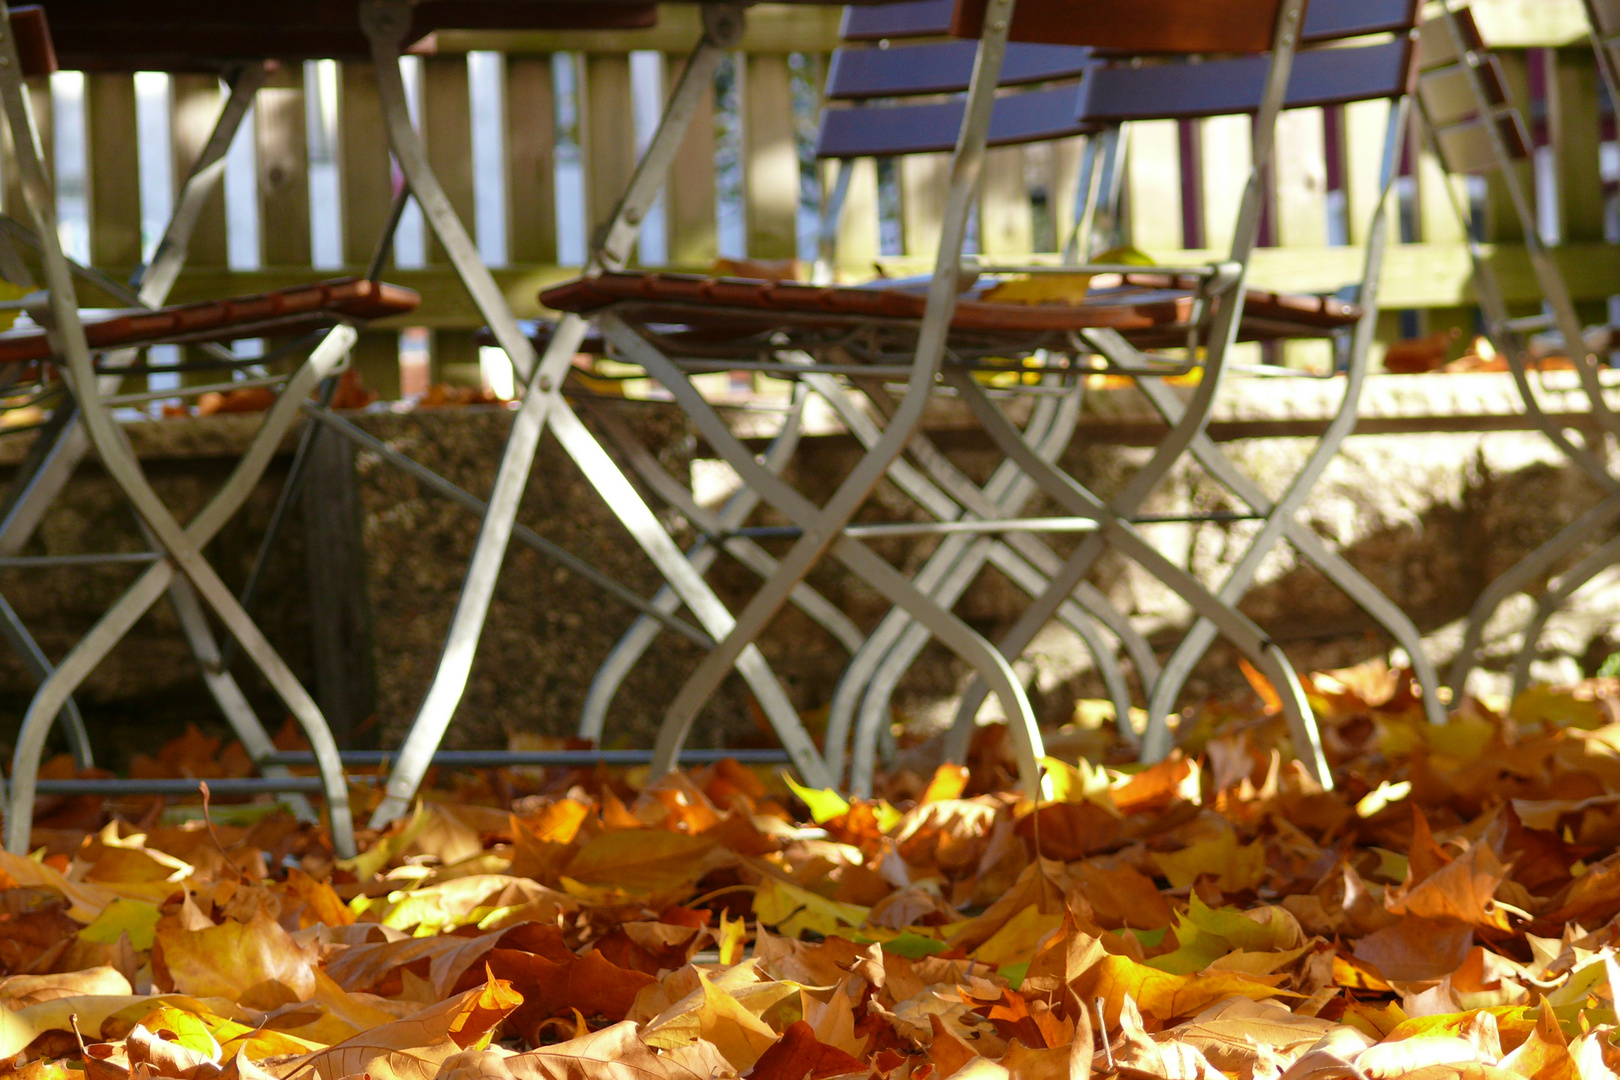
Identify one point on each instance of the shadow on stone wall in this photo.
(548, 629)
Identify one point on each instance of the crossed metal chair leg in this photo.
(720, 528)
(386, 22)
(869, 683)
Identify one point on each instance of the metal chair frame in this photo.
(1454, 51)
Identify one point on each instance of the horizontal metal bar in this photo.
(1193, 519)
(19, 562)
(1529, 324)
(494, 759)
(933, 528)
(1098, 269)
(254, 785)
(524, 534)
(196, 391)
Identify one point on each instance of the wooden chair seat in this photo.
(206, 35)
(1151, 309)
(291, 310)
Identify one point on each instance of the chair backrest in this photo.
(1460, 120)
(32, 33)
(1044, 77)
(1135, 26)
(1120, 92)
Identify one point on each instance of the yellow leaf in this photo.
(1161, 995)
(414, 1048)
(86, 901)
(1235, 867)
(790, 910)
(1016, 940)
(641, 860)
(1040, 289)
(741, 1036)
(258, 964)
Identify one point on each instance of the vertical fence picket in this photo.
(607, 135)
(1065, 186)
(1226, 148)
(924, 179)
(858, 226)
(194, 104)
(447, 133)
(1363, 134)
(1302, 212)
(1577, 142)
(1438, 224)
(1006, 222)
(366, 191)
(283, 174)
(770, 159)
(531, 178)
(689, 196)
(112, 188)
(1153, 186)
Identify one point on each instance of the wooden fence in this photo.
(745, 168)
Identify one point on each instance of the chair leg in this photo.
(635, 642)
(1535, 565)
(39, 667)
(183, 547)
(861, 560)
(227, 694)
(1265, 655)
(939, 493)
(1554, 598)
(386, 23)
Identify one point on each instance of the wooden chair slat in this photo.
(919, 18)
(896, 131)
(1321, 77)
(1141, 26)
(32, 33)
(203, 35)
(284, 311)
(942, 68)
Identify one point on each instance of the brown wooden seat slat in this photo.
(31, 32)
(299, 307)
(1144, 302)
(206, 35)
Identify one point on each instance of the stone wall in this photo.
(1429, 517)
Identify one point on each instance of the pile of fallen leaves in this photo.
(1448, 912)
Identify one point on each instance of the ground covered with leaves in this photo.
(1448, 912)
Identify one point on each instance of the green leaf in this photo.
(136, 918)
(914, 946)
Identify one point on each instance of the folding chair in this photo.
(1604, 18)
(1322, 76)
(883, 324)
(542, 376)
(859, 75)
(1475, 129)
(68, 344)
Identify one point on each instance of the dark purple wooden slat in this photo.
(1178, 91)
(914, 19)
(1335, 20)
(942, 68)
(894, 131)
